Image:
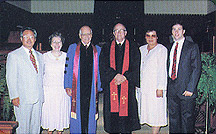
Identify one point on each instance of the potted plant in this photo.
(207, 87)
(6, 107)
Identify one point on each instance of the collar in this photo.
(27, 50)
(180, 41)
(86, 44)
(120, 42)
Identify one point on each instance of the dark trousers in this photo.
(181, 114)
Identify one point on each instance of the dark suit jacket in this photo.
(189, 71)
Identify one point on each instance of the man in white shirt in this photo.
(184, 73)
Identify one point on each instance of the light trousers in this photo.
(29, 118)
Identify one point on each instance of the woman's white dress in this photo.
(56, 106)
(153, 76)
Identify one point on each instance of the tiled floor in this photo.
(100, 130)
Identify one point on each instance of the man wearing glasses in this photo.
(82, 82)
(119, 68)
(24, 70)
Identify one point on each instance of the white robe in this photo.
(153, 76)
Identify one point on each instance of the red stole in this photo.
(123, 109)
(75, 79)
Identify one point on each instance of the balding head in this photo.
(119, 25)
(85, 34)
(84, 28)
(119, 31)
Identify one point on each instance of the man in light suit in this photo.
(184, 73)
(24, 81)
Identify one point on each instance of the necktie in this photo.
(32, 58)
(173, 74)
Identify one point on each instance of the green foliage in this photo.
(6, 113)
(207, 82)
(214, 1)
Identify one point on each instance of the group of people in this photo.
(59, 90)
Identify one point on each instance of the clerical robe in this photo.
(113, 123)
(76, 122)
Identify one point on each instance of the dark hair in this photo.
(180, 22)
(28, 28)
(56, 34)
(150, 30)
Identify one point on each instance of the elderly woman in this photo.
(56, 108)
(153, 82)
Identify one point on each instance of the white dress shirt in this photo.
(180, 44)
(120, 42)
(86, 44)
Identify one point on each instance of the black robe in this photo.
(86, 60)
(113, 123)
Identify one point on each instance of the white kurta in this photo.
(56, 107)
(153, 75)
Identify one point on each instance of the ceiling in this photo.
(191, 7)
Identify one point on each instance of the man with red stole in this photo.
(82, 82)
(119, 69)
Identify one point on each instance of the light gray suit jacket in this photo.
(22, 79)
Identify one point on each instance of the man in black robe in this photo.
(120, 64)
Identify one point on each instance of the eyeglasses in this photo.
(119, 31)
(56, 42)
(86, 34)
(28, 37)
(152, 36)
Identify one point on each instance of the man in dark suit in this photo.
(184, 73)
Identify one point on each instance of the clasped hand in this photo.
(119, 79)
